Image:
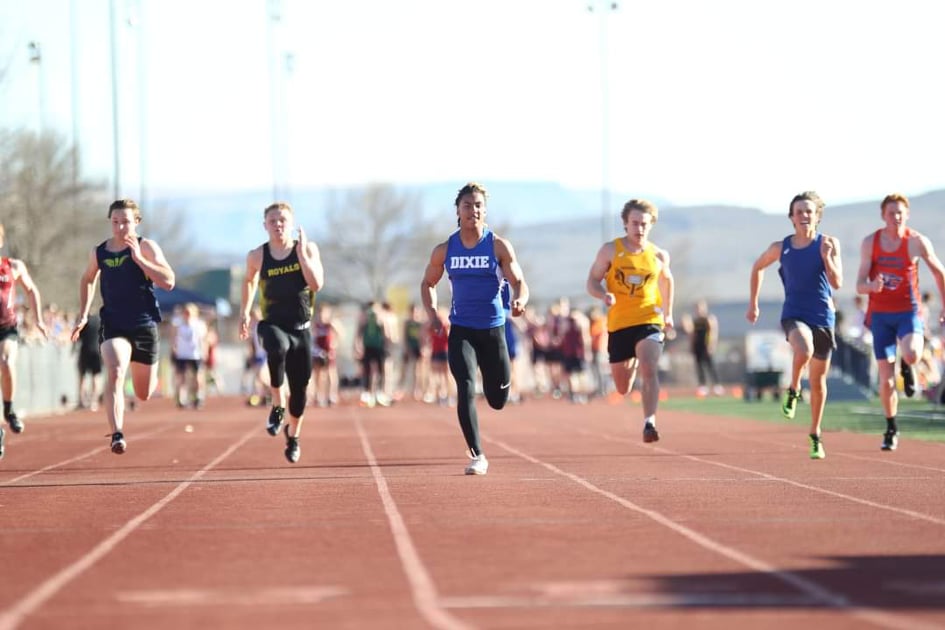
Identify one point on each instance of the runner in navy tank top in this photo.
(476, 261)
(810, 271)
(129, 267)
(288, 273)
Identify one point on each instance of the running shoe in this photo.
(3, 435)
(275, 421)
(816, 447)
(478, 465)
(890, 440)
(118, 443)
(789, 403)
(908, 379)
(650, 434)
(15, 423)
(292, 449)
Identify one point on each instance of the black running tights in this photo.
(289, 354)
(468, 349)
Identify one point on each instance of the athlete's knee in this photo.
(276, 371)
(803, 353)
(115, 373)
(818, 383)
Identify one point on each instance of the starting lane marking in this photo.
(29, 603)
(821, 595)
(275, 596)
(424, 592)
(77, 458)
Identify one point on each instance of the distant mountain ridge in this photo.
(713, 248)
(557, 232)
(239, 213)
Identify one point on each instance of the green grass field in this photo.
(917, 419)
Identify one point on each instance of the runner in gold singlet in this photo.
(632, 277)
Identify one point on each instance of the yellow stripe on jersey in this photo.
(633, 279)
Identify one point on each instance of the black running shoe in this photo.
(890, 440)
(292, 449)
(908, 380)
(650, 434)
(15, 423)
(3, 435)
(275, 421)
(118, 443)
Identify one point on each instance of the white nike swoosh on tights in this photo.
(505, 386)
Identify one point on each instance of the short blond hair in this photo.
(644, 206)
(278, 205)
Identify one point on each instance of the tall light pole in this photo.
(287, 68)
(74, 98)
(604, 8)
(116, 138)
(275, 96)
(137, 22)
(36, 57)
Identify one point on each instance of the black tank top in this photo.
(284, 297)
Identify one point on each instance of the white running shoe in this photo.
(118, 443)
(478, 465)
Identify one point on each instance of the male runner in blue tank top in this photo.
(288, 272)
(129, 266)
(810, 271)
(476, 260)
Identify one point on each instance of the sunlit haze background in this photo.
(689, 101)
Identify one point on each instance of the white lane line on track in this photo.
(888, 459)
(33, 600)
(77, 458)
(424, 592)
(880, 506)
(805, 586)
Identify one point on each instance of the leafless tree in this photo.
(48, 214)
(169, 227)
(376, 237)
(54, 217)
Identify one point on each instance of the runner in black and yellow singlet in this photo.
(631, 276)
(288, 273)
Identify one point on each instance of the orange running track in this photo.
(724, 523)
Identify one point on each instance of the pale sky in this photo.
(742, 102)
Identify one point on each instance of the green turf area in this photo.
(917, 419)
